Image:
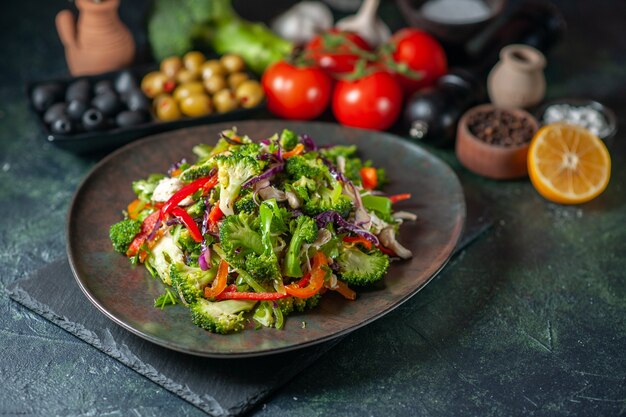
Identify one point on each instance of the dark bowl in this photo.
(85, 142)
(609, 115)
(448, 31)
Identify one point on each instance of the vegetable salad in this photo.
(254, 231)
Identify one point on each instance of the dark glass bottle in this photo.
(431, 115)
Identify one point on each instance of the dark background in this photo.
(529, 320)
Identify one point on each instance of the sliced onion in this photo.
(388, 239)
(292, 199)
(323, 237)
(404, 215)
(270, 192)
(341, 164)
(361, 216)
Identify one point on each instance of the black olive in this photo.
(76, 108)
(54, 112)
(130, 118)
(62, 125)
(79, 89)
(93, 119)
(103, 86)
(45, 95)
(125, 82)
(136, 100)
(108, 103)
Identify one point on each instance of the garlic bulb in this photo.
(366, 24)
(303, 21)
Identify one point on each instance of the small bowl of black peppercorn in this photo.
(493, 141)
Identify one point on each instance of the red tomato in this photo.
(337, 51)
(420, 52)
(295, 92)
(371, 102)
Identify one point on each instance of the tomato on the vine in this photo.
(337, 51)
(421, 53)
(373, 101)
(295, 92)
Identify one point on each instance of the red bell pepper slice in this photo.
(347, 292)
(146, 228)
(369, 177)
(219, 283)
(215, 215)
(257, 296)
(316, 282)
(206, 183)
(360, 240)
(399, 197)
(191, 225)
(386, 251)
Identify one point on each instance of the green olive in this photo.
(233, 63)
(187, 89)
(170, 66)
(215, 84)
(167, 108)
(185, 76)
(235, 79)
(212, 67)
(193, 61)
(152, 83)
(249, 93)
(225, 101)
(196, 105)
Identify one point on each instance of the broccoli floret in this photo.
(288, 139)
(299, 166)
(232, 172)
(339, 150)
(360, 268)
(189, 282)
(123, 233)
(285, 305)
(197, 171)
(186, 242)
(246, 204)
(324, 199)
(197, 209)
(239, 238)
(262, 267)
(304, 231)
(220, 316)
(306, 183)
(302, 304)
(145, 188)
(249, 149)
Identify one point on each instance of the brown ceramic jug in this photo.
(98, 41)
(517, 80)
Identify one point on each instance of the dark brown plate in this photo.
(126, 294)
